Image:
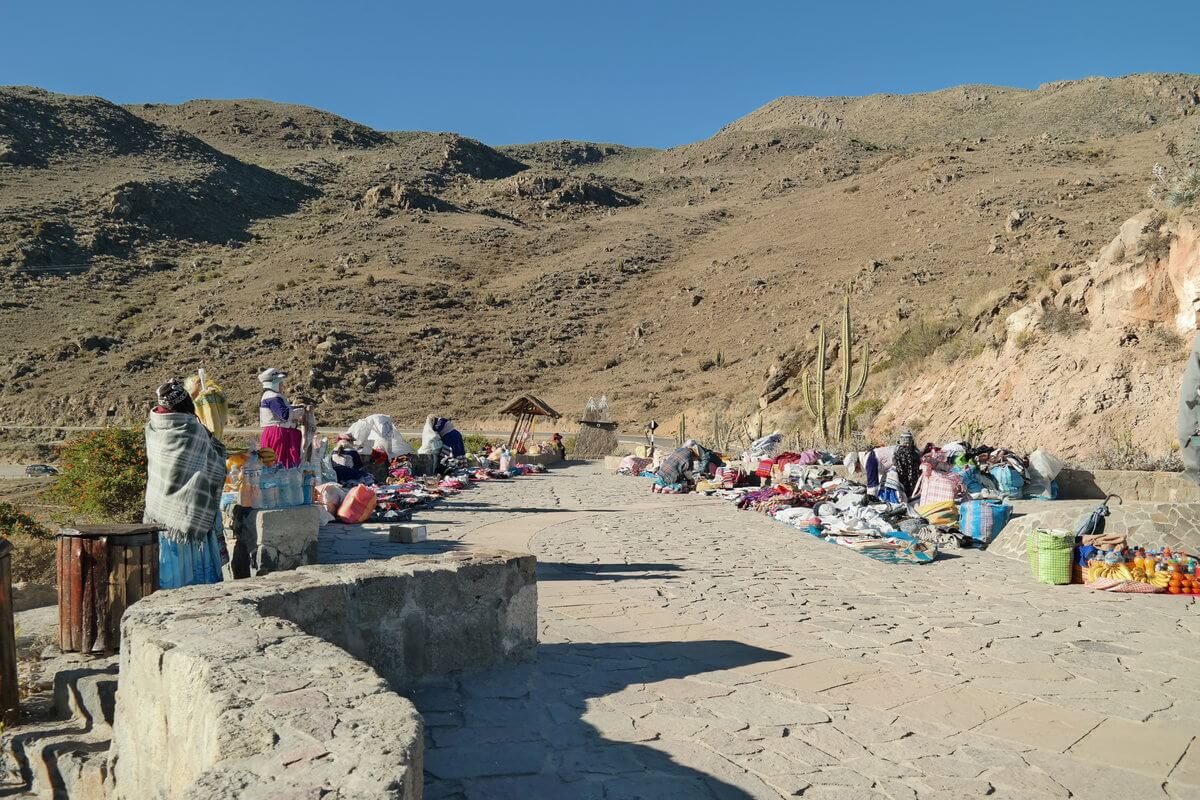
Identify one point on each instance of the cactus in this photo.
(814, 393)
(681, 433)
(847, 392)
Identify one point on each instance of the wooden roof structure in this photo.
(528, 405)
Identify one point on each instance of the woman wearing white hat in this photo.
(280, 420)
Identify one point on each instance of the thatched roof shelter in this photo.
(525, 408)
(529, 405)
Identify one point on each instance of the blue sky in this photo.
(643, 73)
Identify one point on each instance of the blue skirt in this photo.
(183, 562)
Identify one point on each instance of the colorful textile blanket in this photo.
(185, 475)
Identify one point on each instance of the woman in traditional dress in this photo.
(280, 421)
(185, 478)
(451, 437)
(901, 480)
(674, 476)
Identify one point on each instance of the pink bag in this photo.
(330, 495)
(358, 505)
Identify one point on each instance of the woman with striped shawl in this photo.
(185, 478)
(674, 476)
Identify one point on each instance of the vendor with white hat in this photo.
(280, 421)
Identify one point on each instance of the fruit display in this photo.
(1139, 570)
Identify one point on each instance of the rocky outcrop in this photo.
(387, 197)
(559, 190)
(1075, 366)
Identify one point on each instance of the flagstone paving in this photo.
(689, 650)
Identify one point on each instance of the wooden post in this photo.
(10, 696)
(102, 570)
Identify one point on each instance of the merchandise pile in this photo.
(901, 505)
(954, 495)
(369, 474)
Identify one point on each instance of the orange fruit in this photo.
(1174, 588)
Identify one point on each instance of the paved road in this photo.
(689, 650)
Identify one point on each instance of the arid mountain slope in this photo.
(408, 272)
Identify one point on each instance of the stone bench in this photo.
(272, 540)
(286, 685)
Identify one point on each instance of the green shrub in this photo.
(102, 475)
(34, 550)
(918, 342)
(1125, 452)
(15, 522)
(1062, 320)
(863, 412)
(475, 442)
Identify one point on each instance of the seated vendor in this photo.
(347, 461)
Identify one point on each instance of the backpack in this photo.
(1093, 524)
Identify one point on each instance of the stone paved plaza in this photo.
(689, 650)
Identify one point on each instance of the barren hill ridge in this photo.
(405, 272)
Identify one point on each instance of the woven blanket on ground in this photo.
(632, 465)
(1123, 586)
(185, 475)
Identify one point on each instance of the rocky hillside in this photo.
(1088, 360)
(405, 272)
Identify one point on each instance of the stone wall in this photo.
(1174, 525)
(1131, 485)
(285, 685)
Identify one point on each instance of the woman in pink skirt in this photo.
(280, 421)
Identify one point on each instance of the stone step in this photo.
(61, 750)
(88, 693)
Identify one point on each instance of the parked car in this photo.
(35, 470)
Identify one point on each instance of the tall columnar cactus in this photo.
(814, 392)
(681, 434)
(847, 392)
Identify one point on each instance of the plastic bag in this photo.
(329, 496)
(212, 407)
(379, 432)
(1042, 470)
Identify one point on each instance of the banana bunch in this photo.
(1124, 572)
(1121, 572)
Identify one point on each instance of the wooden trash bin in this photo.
(102, 570)
(10, 695)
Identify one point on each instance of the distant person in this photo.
(557, 446)
(347, 460)
(451, 437)
(279, 419)
(185, 475)
(674, 475)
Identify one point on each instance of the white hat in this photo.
(270, 375)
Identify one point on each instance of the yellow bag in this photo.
(211, 405)
(943, 513)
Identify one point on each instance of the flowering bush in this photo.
(102, 475)
(15, 522)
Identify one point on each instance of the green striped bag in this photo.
(1050, 554)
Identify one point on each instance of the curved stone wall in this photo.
(285, 686)
(1174, 525)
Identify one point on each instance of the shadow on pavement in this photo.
(543, 730)
(560, 571)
